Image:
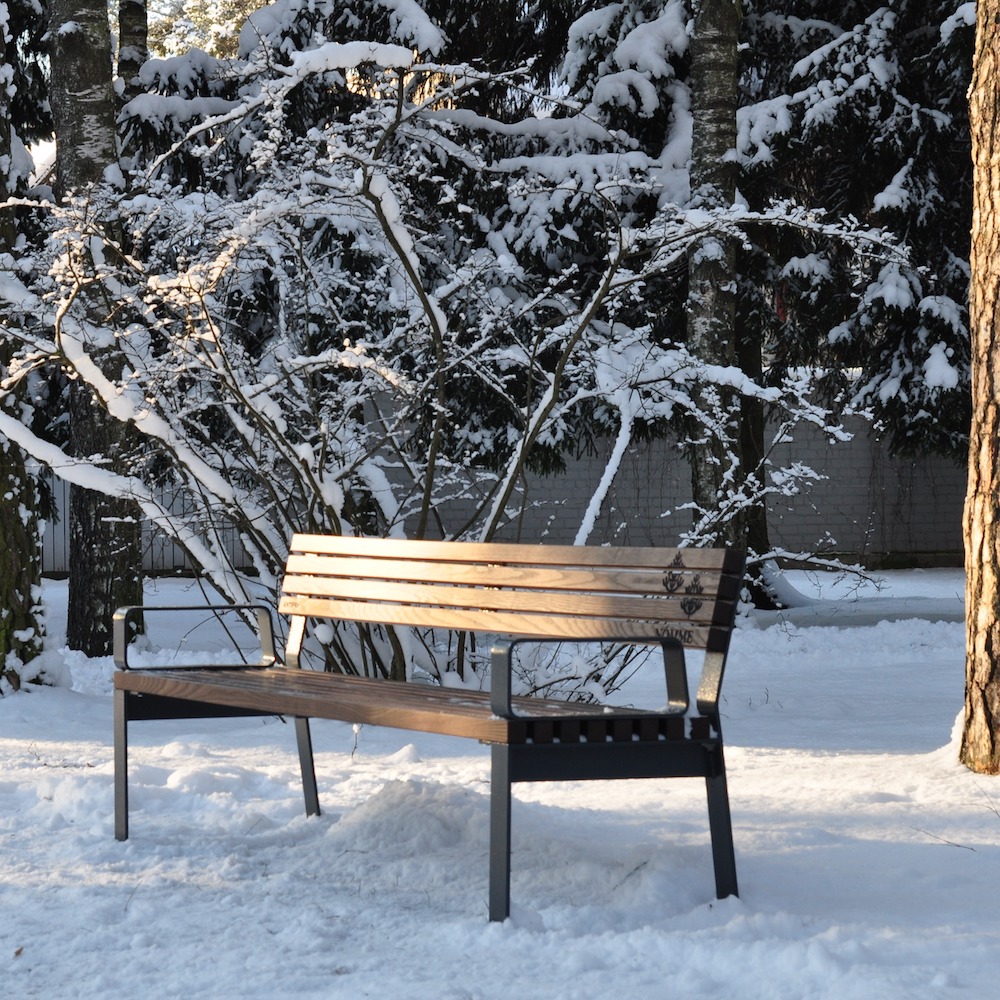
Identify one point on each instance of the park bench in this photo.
(514, 595)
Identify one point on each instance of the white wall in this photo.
(871, 506)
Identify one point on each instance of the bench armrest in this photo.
(265, 629)
(678, 698)
(711, 684)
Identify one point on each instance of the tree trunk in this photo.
(133, 48)
(82, 96)
(981, 734)
(21, 625)
(20, 541)
(753, 424)
(105, 545)
(716, 466)
(7, 228)
(105, 551)
(21, 620)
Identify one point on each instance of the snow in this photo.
(348, 55)
(895, 195)
(867, 856)
(893, 287)
(963, 17)
(407, 20)
(647, 46)
(411, 24)
(939, 371)
(13, 291)
(159, 107)
(945, 309)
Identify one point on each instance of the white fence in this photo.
(159, 553)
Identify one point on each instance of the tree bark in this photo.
(21, 616)
(21, 619)
(716, 465)
(8, 232)
(21, 623)
(133, 47)
(82, 96)
(105, 546)
(980, 748)
(753, 423)
(105, 550)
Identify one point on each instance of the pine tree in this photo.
(213, 26)
(861, 112)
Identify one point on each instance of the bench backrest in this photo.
(572, 592)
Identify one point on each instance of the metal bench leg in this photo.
(121, 766)
(721, 826)
(303, 737)
(500, 834)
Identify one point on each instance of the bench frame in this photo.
(530, 739)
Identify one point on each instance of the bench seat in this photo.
(418, 707)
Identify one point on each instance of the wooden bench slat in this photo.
(409, 706)
(502, 623)
(663, 607)
(284, 698)
(337, 688)
(615, 580)
(717, 560)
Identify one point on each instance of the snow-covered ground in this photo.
(868, 858)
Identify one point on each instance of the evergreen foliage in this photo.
(865, 115)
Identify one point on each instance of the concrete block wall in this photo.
(870, 507)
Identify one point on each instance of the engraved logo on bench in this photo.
(685, 636)
(673, 580)
(691, 603)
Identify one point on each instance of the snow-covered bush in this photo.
(336, 291)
